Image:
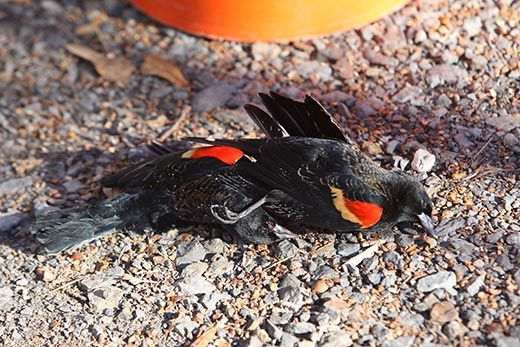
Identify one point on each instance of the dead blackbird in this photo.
(308, 172)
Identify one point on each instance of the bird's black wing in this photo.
(317, 177)
(162, 171)
(265, 122)
(287, 164)
(289, 117)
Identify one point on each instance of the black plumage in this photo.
(307, 171)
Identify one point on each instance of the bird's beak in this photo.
(427, 223)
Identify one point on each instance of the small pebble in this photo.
(442, 279)
(423, 161)
(45, 274)
(443, 312)
(510, 140)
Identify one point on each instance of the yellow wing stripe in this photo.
(339, 204)
(364, 213)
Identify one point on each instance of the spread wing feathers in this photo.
(327, 125)
(294, 118)
(156, 172)
(265, 122)
(288, 115)
(287, 118)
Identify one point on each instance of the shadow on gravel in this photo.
(71, 179)
(61, 180)
(18, 238)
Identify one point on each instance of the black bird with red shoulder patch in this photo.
(307, 171)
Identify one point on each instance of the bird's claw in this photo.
(281, 232)
(231, 217)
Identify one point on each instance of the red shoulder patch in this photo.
(367, 213)
(226, 154)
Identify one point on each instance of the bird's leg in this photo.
(233, 217)
(281, 232)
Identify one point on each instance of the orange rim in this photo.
(266, 20)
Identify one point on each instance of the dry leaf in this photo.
(157, 66)
(116, 69)
(206, 337)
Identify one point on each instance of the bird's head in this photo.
(413, 203)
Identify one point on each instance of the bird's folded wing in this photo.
(158, 172)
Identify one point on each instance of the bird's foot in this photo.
(231, 217)
(281, 232)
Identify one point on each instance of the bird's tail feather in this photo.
(64, 229)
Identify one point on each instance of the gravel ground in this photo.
(438, 75)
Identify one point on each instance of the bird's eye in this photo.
(426, 207)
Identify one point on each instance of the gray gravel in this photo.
(437, 76)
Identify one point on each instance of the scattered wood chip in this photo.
(23, 166)
(112, 69)
(97, 18)
(322, 285)
(45, 274)
(367, 253)
(206, 337)
(155, 65)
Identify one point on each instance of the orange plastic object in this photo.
(266, 20)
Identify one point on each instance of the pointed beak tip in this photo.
(427, 223)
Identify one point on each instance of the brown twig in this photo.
(206, 337)
(68, 284)
(176, 125)
(482, 149)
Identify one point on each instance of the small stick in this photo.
(283, 260)
(68, 284)
(176, 125)
(483, 147)
(121, 254)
